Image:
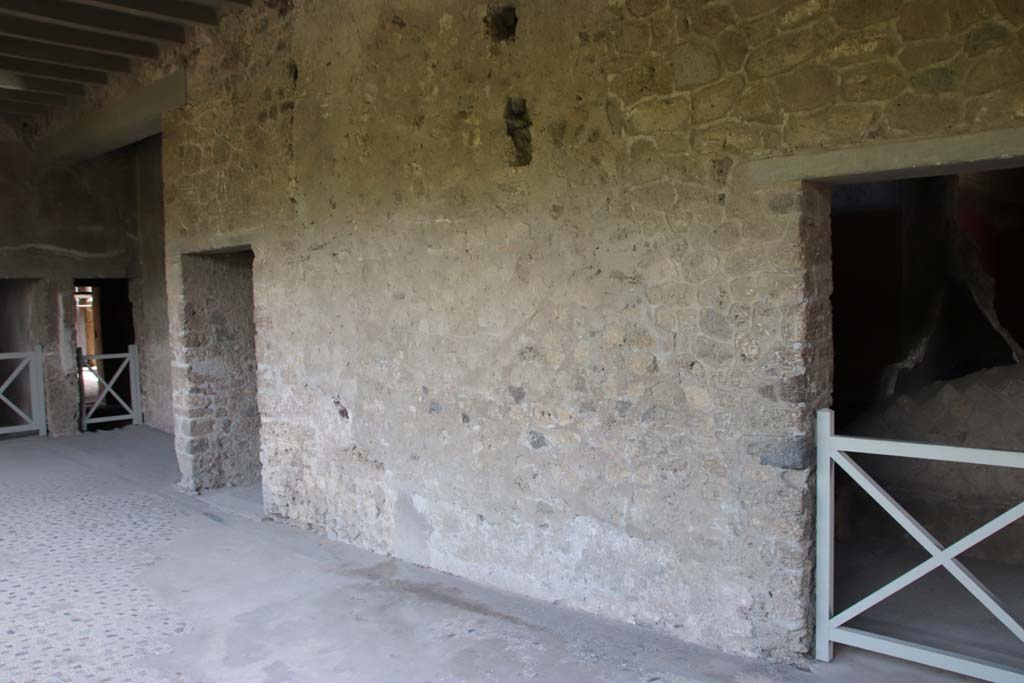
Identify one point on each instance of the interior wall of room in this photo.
(518, 317)
(16, 317)
(62, 224)
(149, 291)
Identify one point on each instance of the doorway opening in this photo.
(104, 325)
(928, 335)
(16, 309)
(218, 418)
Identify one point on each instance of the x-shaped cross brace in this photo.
(108, 389)
(3, 388)
(940, 556)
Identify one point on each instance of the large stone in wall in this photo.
(695, 63)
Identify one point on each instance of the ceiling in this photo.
(51, 50)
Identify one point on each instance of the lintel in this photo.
(896, 160)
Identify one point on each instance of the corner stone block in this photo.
(788, 453)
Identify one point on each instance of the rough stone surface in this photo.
(854, 14)
(811, 87)
(666, 329)
(217, 419)
(923, 19)
(920, 113)
(659, 114)
(873, 81)
(922, 54)
(695, 64)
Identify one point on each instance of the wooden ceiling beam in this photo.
(175, 10)
(56, 54)
(30, 96)
(29, 67)
(21, 107)
(96, 18)
(59, 34)
(49, 50)
(14, 81)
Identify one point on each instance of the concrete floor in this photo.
(936, 610)
(107, 573)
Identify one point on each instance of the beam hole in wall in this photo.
(501, 23)
(927, 331)
(517, 127)
(218, 420)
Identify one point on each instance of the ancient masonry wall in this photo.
(149, 293)
(217, 437)
(517, 316)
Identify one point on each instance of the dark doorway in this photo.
(103, 324)
(15, 337)
(926, 286)
(927, 333)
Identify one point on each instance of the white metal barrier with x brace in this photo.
(833, 450)
(133, 406)
(35, 420)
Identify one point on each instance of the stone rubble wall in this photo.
(217, 436)
(556, 345)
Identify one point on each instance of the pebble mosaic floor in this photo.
(72, 544)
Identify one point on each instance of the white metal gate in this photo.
(27, 364)
(132, 404)
(831, 628)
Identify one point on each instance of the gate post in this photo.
(136, 384)
(80, 362)
(37, 388)
(825, 536)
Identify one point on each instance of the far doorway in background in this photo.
(22, 406)
(108, 360)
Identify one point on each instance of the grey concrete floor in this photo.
(936, 610)
(108, 573)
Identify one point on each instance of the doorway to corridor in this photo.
(107, 357)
